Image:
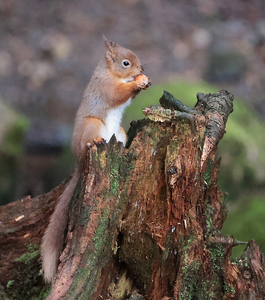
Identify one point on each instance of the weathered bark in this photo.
(22, 224)
(145, 220)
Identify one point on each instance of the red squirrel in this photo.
(115, 82)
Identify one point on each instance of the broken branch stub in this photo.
(214, 107)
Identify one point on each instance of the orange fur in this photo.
(113, 85)
(85, 133)
(120, 92)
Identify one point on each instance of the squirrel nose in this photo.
(141, 68)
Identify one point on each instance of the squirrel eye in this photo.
(126, 63)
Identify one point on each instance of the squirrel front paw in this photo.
(99, 140)
(143, 81)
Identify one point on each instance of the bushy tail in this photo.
(54, 235)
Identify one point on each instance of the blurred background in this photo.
(48, 51)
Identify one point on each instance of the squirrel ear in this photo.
(109, 44)
(109, 49)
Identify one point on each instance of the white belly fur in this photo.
(112, 123)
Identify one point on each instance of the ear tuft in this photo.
(109, 44)
(110, 55)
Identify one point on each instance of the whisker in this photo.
(146, 67)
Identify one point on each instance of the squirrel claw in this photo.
(99, 141)
(149, 82)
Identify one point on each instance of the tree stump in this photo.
(144, 221)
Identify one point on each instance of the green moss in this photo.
(32, 247)
(114, 181)
(185, 265)
(120, 166)
(193, 282)
(207, 175)
(194, 285)
(204, 291)
(242, 262)
(87, 287)
(27, 257)
(33, 252)
(10, 282)
(228, 289)
(210, 228)
(101, 231)
(190, 280)
(217, 257)
(43, 294)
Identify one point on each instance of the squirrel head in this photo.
(122, 62)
